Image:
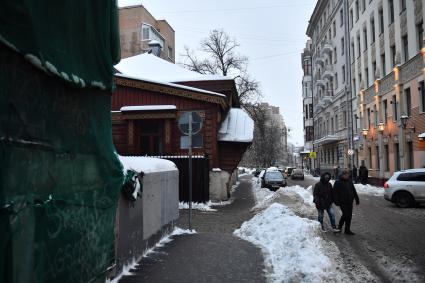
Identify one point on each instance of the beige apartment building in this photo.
(387, 69)
(330, 86)
(140, 32)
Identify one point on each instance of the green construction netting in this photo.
(77, 40)
(60, 177)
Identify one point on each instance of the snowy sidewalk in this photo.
(214, 254)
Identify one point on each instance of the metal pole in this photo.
(190, 171)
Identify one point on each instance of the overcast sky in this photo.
(271, 34)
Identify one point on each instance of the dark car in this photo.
(273, 180)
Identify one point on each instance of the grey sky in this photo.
(271, 34)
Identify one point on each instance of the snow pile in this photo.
(126, 271)
(205, 206)
(369, 190)
(146, 164)
(197, 206)
(293, 251)
(311, 177)
(298, 199)
(305, 194)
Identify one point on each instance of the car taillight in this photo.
(386, 186)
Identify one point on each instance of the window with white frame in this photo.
(150, 33)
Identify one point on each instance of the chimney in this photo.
(155, 47)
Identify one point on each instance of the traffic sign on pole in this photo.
(190, 123)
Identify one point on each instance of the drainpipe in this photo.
(348, 86)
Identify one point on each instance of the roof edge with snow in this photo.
(236, 127)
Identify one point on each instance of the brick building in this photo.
(139, 29)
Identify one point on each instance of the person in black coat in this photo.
(363, 174)
(322, 198)
(344, 193)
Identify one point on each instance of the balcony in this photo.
(328, 73)
(320, 83)
(327, 139)
(327, 48)
(320, 60)
(327, 99)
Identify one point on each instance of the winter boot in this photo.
(336, 230)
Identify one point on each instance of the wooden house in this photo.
(151, 95)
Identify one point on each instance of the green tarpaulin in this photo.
(60, 177)
(77, 40)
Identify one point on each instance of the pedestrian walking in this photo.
(354, 174)
(336, 172)
(322, 198)
(363, 174)
(344, 193)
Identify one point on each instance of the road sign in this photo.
(350, 151)
(190, 123)
(195, 119)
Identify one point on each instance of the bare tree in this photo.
(221, 58)
(266, 148)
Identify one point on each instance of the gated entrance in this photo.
(200, 177)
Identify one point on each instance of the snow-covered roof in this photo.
(148, 107)
(127, 3)
(151, 67)
(146, 164)
(171, 85)
(237, 127)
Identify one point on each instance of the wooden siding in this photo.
(127, 96)
(230, 154)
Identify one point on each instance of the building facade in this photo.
(378, 104)
(139, 30)
(275, 120)
(387, 69)
(330, 85)
(307, 104)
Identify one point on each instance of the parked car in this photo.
(297, 174)
(288, 171)
(273, 180)
(406, 188)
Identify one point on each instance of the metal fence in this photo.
(200, 176)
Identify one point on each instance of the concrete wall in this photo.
(160, 201)
(140, 224)
(219, 185)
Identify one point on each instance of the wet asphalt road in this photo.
(389, 241)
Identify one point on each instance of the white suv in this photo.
(406, 187)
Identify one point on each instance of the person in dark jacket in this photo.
(344, 193)
(354, 174)
(322, 198)
(363, 174)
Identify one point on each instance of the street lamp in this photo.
(381, 127)
(365, 132)
(404, 119)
